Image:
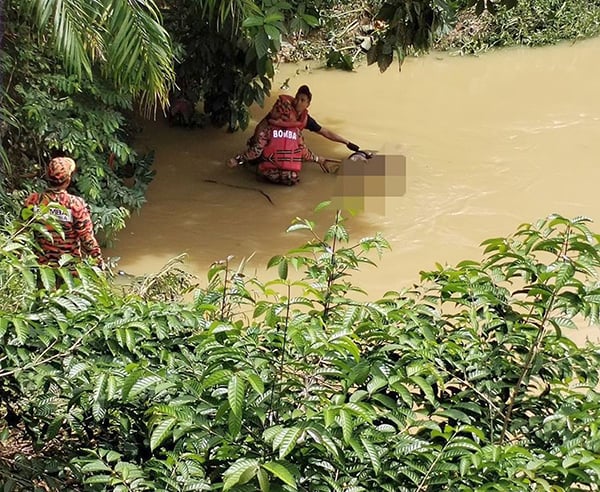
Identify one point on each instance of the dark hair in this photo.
(303, 89)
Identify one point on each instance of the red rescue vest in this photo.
(284, 150)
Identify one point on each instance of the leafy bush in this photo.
(530, 23)
(463, 382)
(52, 113)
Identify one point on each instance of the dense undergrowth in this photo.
(530, 23)
(348, 33)
(47, 111)
(466, 381)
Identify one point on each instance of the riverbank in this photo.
(351, 29)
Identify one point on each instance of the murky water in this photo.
(490, 142)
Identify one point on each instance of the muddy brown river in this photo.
(490, 142)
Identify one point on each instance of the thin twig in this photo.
(241, 187)
(348, 12)
(279, 373)
(39, 361)
(533, 351)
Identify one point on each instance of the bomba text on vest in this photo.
(291, 134)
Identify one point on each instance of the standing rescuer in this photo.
(71, 211)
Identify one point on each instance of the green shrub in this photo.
(464, 382)
(530, 23)
(46, 112)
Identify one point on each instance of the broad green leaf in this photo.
(272, 32)
(454, 414)
(322, 205)
(298, 227)
(425, 386)
(288, 441)
(271, 433)
(48, 278)
(348, 345)
(100, 386)
(274, 17)
(99, 410)
(143, 384)
(345, 422)
(358, 395)
(463, 443)
(253, 21)
(261, 44)
(99, 479)
(564, 322)
(311, 20)
(21, 329)
(465, 465)
(256, 382)
(217, 378)
(372, 453)
(263, 481)
(240, 472)
(275, 261)
(161, 432)
(95, 466)
(234, 424)
(281, 472)
(236, 391)
(323, 438)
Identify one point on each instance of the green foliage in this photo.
(53, 112)
(406, 27)
(534, 23)
(467, 381)
(124, 40)
(337, 59)
(245, 35)
(248, 34)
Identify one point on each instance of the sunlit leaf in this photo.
(280, 471)
(240, 472)
(161, 432)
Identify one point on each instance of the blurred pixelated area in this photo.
(364, 185)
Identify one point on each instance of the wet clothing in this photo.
(256, 142)
(255, 145)
(282, 115)
(282, 156)
(284, 150)
(277, 145)
(280, 176)
(76, 223)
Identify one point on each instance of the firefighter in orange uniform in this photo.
(71, 211)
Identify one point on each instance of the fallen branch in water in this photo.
(241, 187)
(326, 169)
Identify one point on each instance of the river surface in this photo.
(490, 142)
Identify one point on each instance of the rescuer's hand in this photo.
(235, 162)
